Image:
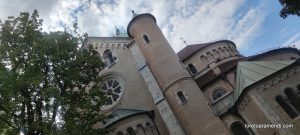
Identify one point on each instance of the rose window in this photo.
(217, 93)
(113, 88)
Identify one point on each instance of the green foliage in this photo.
(290, 7)
(47, 83)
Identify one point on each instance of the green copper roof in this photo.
(121, 114)
(250, 72)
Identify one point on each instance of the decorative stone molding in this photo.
(277, 79)
(244, 103)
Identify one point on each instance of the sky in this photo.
(253, 25)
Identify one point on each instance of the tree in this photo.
(290, 7)
(48, 85)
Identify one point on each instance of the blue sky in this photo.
(254, 25)
(276, 32)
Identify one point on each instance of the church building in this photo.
(204, 89)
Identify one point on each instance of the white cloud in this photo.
(196, 21)
(283, 32)
(294, 40)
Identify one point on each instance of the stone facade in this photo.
(155, 91)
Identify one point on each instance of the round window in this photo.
(113, 87)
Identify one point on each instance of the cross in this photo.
(183, 41)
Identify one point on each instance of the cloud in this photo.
(193, 20)
(215, 20)
(14, 7)
(283, 32)
(294, 40)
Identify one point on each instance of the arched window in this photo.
(146, 39)
(192, 69)
(285, 106)
(216, 54)
(140, 130)
(181, 97)
(148, 124)
(210, 57)
(151, 129)
(227, 51)
(108, 57)
(237, 128)
(293, 97)
(222, 53)
(204, 60)
(130, 131)
(217, 93)
(233, 50)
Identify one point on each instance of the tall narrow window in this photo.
(130, 131)
(108, 57)
(151, 129)
(204, 61)
(285, 106)
(192, 69)
(293, 97)
(146, 39)
(237, 128)
(181, 97)
(140, 130)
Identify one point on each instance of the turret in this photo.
(182, 93)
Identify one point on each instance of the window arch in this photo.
(227, 51)
(222, 53)
(130, 131)
(293, 97)
(151, 129)
(204, 59)
(148, 124)
(181, 97)
(210, 57)
(237, 128)
(233, 49)
(285, 106)
(140, 129)
(146, 39)
(216, 54)
(192, 69)
(218, 93)
(108, 57)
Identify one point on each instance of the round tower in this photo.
(181, 92)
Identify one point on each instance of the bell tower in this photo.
(180, 90)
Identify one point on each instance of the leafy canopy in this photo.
(47, 83)
(290, 7)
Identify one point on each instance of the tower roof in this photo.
(135, 18)
(189, 50)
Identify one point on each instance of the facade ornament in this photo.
(133, 14)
